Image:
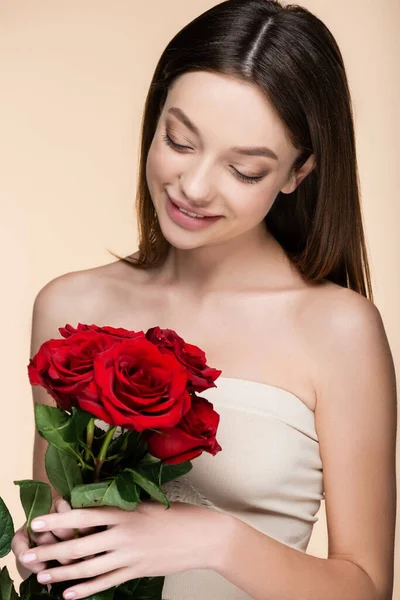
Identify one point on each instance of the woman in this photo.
(248, 128)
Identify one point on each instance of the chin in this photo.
(185, 241)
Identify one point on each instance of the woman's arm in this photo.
(269, 570)
(356, 421)
(56, 302)
(53, 304)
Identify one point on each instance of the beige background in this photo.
(73, 78)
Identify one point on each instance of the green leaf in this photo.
(116, 443)
(170, 472)
(149, 460)
(35, 498)
(152, 465)
(104, 493)
(125, 591)
(152, 488)
(30, 587)
(89, 494)
(52, 424)
(160, 473)
(6, 529)
(113, 497)
(62, 470)
(77, 424)
(144, 588)
(57, 590)
(59, 587)
(51, 420)
(7, 590)
(44, 595)
(126, 487)
(104, 595)
(128, 447)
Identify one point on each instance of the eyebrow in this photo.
(245, 150)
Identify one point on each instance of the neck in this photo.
(236, 264)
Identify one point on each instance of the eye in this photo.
(180, 148)
(246, 178)
(173, 145)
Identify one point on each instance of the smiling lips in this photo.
(186, 221)
(201, 213)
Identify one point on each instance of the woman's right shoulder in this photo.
(86, 287)
(76, 296)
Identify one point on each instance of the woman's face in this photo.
(194, 159)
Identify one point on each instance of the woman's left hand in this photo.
(149, 541)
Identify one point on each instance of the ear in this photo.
(297, 176)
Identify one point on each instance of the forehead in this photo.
(228, 110)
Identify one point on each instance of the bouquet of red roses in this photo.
(128, 420)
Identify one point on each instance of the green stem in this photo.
(103, 452)
(89, 439)
(124, 444)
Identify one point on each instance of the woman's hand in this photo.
(20, 541)
(149, 541)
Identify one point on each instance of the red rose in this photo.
(193, 435)
(118, 332)
(138, 387)
(65, 367)
(201, 376)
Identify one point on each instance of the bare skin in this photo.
(257, 333)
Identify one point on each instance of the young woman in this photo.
(251, 246)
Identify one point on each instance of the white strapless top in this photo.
(268, 474)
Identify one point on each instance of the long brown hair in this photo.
(294, 59)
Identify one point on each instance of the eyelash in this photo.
(239, 175)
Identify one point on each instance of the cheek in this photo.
(160, 164)
(255, 204)
(152, 165)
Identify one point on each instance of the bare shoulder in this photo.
(85, 289)
(335, 309)
(344, 332)
(80, 296)
(69, 293)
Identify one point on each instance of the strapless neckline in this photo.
(265, 385)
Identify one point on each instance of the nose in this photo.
(195, 183)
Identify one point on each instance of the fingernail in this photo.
(36, 525)
(69, 595)
(28, 557)
(43, 577)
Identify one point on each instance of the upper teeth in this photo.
(191, 214)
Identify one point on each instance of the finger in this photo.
(62, 506)
(21, 537)
(23, 571)
(53, 537)
(44, 538)
(19, 545)
(101, 583)
(72, 549)
(48, 538)
(88, 568)
(19, 542)
(77, 518)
